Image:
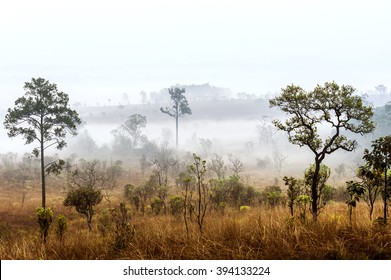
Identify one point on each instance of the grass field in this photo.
(261, 233)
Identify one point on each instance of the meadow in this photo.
(261, 232)
(245, 215)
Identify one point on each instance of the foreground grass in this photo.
(261, 233)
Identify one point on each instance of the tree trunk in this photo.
(314, 191)
(89, 222)
(350, 214)
(385, 196)
(185, 213)
(199, 208)
(370, 212)
(176, 120)
(291, 208)
(43, 173)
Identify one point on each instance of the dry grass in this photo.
(258, 234)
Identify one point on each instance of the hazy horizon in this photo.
(96, 50)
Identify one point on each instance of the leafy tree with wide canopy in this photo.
(42, 115)
(328, 105)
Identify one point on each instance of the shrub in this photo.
(62, 225)
(272, 196)
(156, 205)
(176, 205)
(222, 205)
(44, 216)
(84, 199)
(293, 192)
(244, 209)
(124, 232)
(304, 203)
(104, 221)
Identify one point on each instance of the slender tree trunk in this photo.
(314, 191)
(43, 172)
(291, 208)
(185, 213)
(350, 214)
(89, 223)
(176, 122)
(385, 196)
(370, 212)
(199, 206)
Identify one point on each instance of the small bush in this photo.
(272, 196)
(176, 205)
(104, 221)
(156, 205)
(124, 231)
(244, 209)
(221, 207)
(62, 225)
(84, 199)
(44, 216)
(304, 204)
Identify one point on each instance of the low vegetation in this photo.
(275, 224)
(260, 231)
(166, 203)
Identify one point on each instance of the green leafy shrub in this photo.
(156, 205)
(84, 199)
(44, 216)
(176, 205)
(62, 226)
(244, 209)
(272, 196)
(304, 202)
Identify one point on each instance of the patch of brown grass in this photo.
(260, 233)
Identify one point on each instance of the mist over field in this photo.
(221, 123)
(195, 129)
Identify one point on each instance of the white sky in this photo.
(95, 50)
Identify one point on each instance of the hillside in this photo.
(231, 109)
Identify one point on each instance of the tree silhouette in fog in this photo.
(179, 108)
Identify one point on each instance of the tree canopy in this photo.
(133, 126)
(42, 115)
(329, 105)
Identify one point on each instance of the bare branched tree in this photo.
(198, 169)
(163, 160)
(89, 174)
(237, 165)
(217, 165)
(279, 159)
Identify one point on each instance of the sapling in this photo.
(355, 191)
(176, 205)
(203, 197)
(293, 192)
(123, 231)
(303, 201)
